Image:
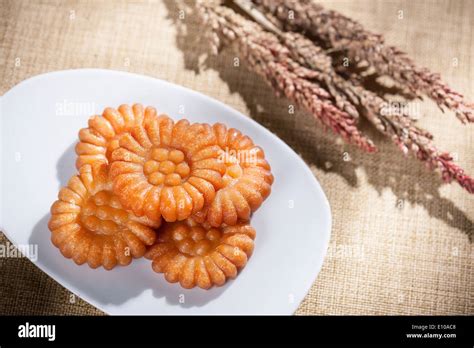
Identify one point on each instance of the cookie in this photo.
(88, 223)
(196, 254)
(247, 179)
(100, 138)
(166, 169)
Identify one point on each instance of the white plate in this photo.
(40, 119)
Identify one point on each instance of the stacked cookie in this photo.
(179, 193)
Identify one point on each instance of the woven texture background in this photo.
(402, 242)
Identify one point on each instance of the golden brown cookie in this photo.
(247, 179)
(198, 254)
(100, 138)
(88, 223)
(162, 168)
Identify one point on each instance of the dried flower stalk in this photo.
(409, 138)
(302, 55)
(332, 30)
(272, 60)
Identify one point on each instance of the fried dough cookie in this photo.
(88, 223)
(162, 168)
(100, 138)
(247, 179)
(199, 255)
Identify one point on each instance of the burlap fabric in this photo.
(401, 240)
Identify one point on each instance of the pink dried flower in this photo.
(297, 68)
(332, 30)
(272, 60)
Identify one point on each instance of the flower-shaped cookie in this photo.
(198, 254)
(97, 142)
(168, 169)
(88, 223)
(247, 179)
